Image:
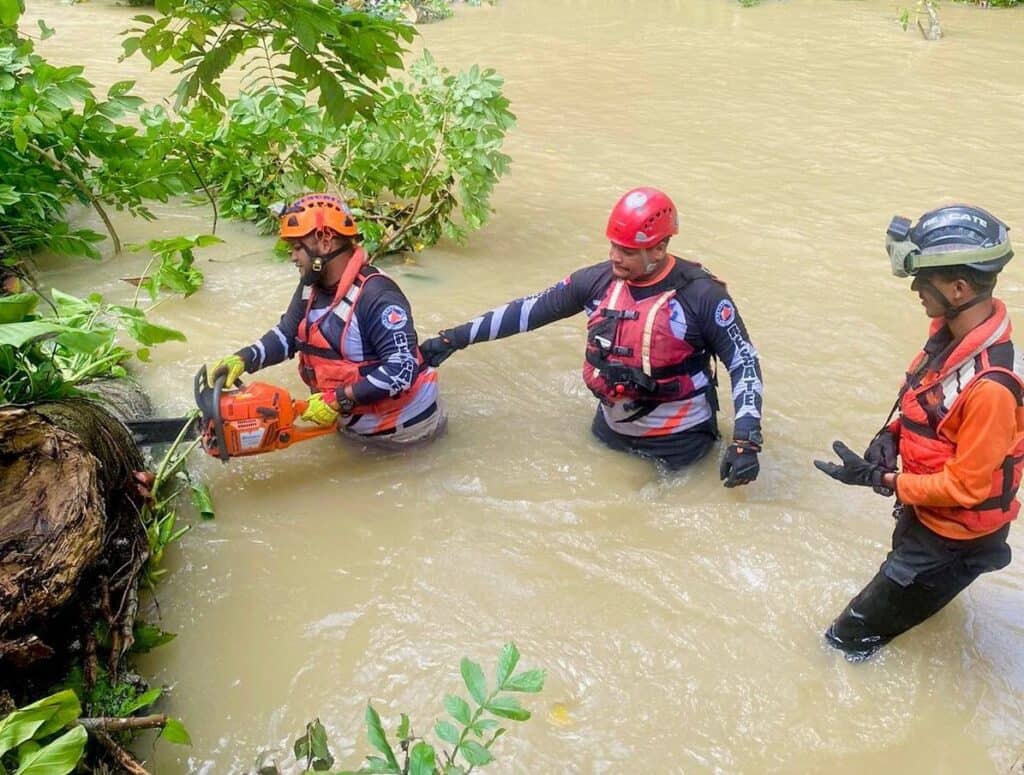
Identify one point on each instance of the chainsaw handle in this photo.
(302, 433)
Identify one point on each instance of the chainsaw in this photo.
(245, 420)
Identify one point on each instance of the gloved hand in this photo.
(740, 466)
(854, 470)
(232, 364)
(437, 350)
(883, 451)
(320, 410)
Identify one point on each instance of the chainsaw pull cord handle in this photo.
(218, 418)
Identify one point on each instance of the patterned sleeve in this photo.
(561, 300)
(385, 321)
(726, 336)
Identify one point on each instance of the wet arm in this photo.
(985, 436)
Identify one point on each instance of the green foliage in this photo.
(60, 143)
(470, 737)
(174, 261)
(423, 166)
(309, 46)
(44, 358)
(35, 740)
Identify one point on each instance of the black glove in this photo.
(854, 470)
(883, 451)
(740, 466)
(436, 350)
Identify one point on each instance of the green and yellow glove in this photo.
(320, 411)
(232, 364)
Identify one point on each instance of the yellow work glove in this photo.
(320, 411)
(232, 364)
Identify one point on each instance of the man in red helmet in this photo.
(655, 322)
(352, 329)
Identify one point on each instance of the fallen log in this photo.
(70, 536)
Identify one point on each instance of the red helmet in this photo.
(643, 217)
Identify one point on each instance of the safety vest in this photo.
(986, 352)
(632, 352)
(325, 369)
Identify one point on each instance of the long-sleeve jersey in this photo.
(381, 330)
(702, 313)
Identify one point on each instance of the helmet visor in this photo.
(907, 259)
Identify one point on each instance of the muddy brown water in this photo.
(680, 623)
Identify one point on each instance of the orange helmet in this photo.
(316, 212)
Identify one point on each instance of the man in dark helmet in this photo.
(654, 324)
(954, 454)
(352, 329)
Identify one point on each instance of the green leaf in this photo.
(149, 637)
(59, 757)
(43, 717)
(475, 681)
(507, 707)
(120, 88)
(421, 760)
(10, 10)
(203, 501)
(529, 681)
(174, 732)
(44, 31)
(143, 700)
(148, 333)
(507, 663)
(447, 732)
(378, 739)
(475, 753)
(458, 708)
(402, 733)
(15, 307)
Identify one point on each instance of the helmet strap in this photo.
(952, 310)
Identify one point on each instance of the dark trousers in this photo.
(922, 573)
(673, 451)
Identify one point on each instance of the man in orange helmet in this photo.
(352, 329)
(959, 433)
(655, 322)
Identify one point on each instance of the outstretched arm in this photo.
(561, 300)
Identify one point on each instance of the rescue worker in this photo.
(655, 321)
(352, 329)
(959, 433)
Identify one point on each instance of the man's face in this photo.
(636, 263)
(303, 250)
(933, 306)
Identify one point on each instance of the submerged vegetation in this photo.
(468, 738)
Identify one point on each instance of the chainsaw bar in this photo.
(163, 430)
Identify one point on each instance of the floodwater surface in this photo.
(679, 622)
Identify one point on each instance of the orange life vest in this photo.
(984, 353)
(325, 369)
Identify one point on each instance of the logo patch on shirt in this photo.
(394, 317)
(725, 313)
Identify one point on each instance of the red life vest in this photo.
(325, 369)
(631, 350)
(984, 353)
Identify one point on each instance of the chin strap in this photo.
(319, 262)
(952, 311)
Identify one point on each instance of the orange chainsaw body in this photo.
(251, 420)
